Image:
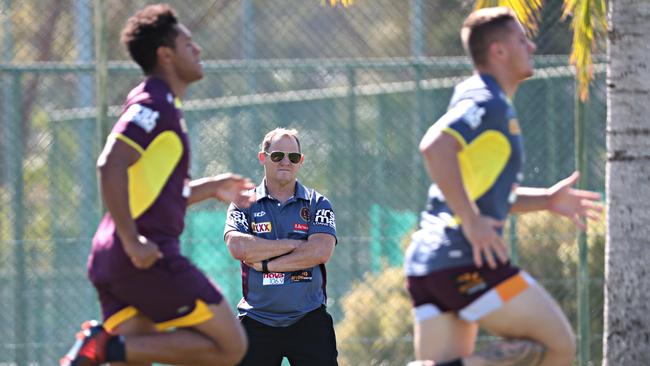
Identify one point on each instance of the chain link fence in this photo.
(361, 84)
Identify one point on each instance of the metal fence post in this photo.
(417, 28)
(353, 172)
(13, 154)
(584, 347)
(16, 151)
(101, 72)
(85, 132)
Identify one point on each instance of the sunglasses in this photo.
(277, 156)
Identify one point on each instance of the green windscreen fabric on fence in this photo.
(361, 84)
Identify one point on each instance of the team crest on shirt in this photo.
(513, 127)
(304, 213)
(262, 227)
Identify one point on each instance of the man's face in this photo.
(187, 56)
(283, 171)
(519, 51)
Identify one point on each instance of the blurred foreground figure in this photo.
(145, 286)
(458, 273)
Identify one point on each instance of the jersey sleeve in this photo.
(464, 121)
(323, 220)
(139, 125)
(236, 220)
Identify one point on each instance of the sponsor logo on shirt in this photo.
(300, 227)
(262, 227)
(259, 214)
(472, 113)
(470, 283)
(238, 218)
(301, 276)
(271, 279)
(513, 127)
(325, 217)
(142, 116)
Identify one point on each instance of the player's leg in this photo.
(138, 325)
(443, 337)
(540, 333)
(439, 334)
(174, 294)
(217, 341)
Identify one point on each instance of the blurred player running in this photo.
(474, 154)
(145, 286)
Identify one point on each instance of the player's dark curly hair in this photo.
(148, 29)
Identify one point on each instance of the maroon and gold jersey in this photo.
(151, 123)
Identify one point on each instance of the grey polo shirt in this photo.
(281, 299)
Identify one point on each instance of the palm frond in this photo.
(333, 3)
(528, 11)
(588, 20)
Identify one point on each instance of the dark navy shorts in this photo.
(173, 293)
(469, 291)
(310, 341)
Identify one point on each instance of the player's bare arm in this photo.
(251, 249)
(561, 199)
(316, 250)
(440, 152)
(226, 187)
(112, 166)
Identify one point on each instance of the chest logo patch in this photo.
(272, 279)
(304, 213)
(300, 227)
(262, 227)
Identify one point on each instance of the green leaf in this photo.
(528, 11)
(588, 21)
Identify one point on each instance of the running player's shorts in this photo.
(173, 293)
(469, 291)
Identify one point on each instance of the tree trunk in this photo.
(627, 285)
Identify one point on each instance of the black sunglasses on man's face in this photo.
(277, 156)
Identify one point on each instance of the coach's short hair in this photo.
(266, 142)
(148, 29)
(481, 28)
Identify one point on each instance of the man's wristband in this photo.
(265, 266)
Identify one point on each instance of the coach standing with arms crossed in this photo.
(283, 241)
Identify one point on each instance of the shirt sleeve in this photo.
(323, 220)
(464, 121)
(236, 220)
(139, 125)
